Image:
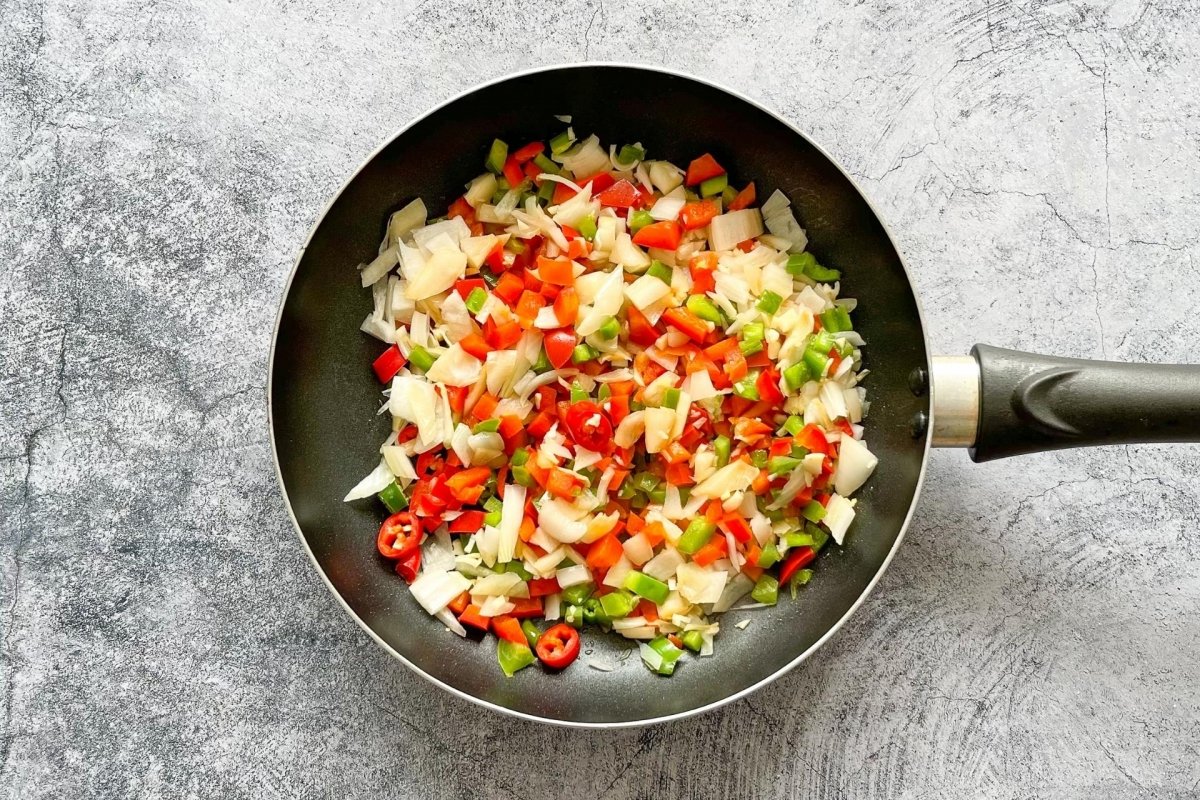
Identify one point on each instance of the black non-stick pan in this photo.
(323, 396)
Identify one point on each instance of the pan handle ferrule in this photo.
(955, 396)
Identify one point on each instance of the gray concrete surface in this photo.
(163, 634)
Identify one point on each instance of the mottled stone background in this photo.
(163, 634)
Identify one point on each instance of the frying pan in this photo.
(323, 397)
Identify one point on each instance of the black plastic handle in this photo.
(1029, 403)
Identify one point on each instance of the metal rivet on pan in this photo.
(918, 381)
(920, 423)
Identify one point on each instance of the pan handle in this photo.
(1001, 403)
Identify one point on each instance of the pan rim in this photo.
(568, 723)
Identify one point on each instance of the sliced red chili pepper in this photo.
(399, 535)
(558, 646)
(463, 287)
(589, 426)
(408, 566)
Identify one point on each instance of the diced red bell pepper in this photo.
(540, 425)
(485, 406)
(564, 484)
(457, 395)
(501, 337)
(702, 169)
(513, 172)
(599, 182)
(467, 522)
(467, 486)
(768, 387)
(664, 235)
(528, 152)
(540, 587)
(475, 345)
(605, 553)
(509, 288)
(471, 616)
(796, 559)
(526, 607)
(495, 259)
(566, 306)
(702, 267)
(686, 322)
(528, 307)
(461, 208)
(466, 285)
(715, 550)
(559, 271)
(508, 629)
(390, 362)
(745, 198)
(698, 214)
(621, 194)
(640, 330)
(737, 525)
(813, 439)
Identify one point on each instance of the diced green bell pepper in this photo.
(670, 654)
(796, 376)
(543, 362)
(721, 446)
(794, 423)
(650, 588)
(769, 302)
(513, 657)
(693, 640)
(587, 227)
(476, 299)
(813, 512)
(782, 465)
(661, 271)
(658, 495)
(705, 309)
(769, 556)
(497, 155)
(746, 388)
(640, 219)
(617, 605)
(421, 358)
(798, 539)
(578, 395)
(486, 426)
(696, 535)
(609, 329)
(816, 362)
(546, 165)
(766, 590)
(545, 192)
(630, 153)
(714, 186)
(799, 579)
(759, 458)
(562, 142)
(393, 498)
(582, 354)
(671, 398)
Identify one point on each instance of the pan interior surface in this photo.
(324, 397)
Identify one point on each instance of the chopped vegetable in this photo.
(612, 404)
